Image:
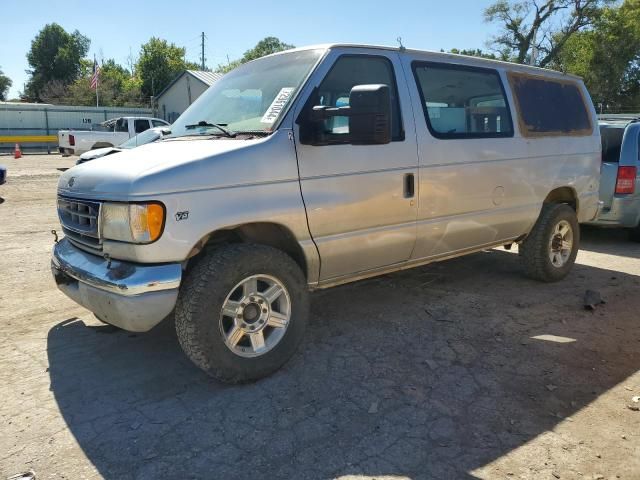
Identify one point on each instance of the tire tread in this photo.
(188, 317)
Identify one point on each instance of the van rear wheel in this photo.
(242, 312)
(550, 250)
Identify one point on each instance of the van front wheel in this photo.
(242, 312)
(550, 250)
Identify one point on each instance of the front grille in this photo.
(80, 221)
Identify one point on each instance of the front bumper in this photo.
(132, 296)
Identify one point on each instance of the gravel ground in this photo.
(458, 370)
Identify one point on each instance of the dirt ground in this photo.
(458, 370)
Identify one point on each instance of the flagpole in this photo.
(95, 72)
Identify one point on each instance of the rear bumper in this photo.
(623, 212)
(131, 296)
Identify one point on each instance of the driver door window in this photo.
(348, 72)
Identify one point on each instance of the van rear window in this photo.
(611, 143)
(549, 107)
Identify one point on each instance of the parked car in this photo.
(115, 132)
(619, 175)
(148, 136)
(320, 166)
(3, 174)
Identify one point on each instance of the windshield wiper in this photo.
(203, 123)
(253, 132)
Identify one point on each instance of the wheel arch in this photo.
(270, 234)
(565, 195)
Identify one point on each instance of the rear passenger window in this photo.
(549, 107)
(141, 125)
(611, 143)
(158, 123)
(122, 125)
(463, 102)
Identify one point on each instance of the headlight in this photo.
(132, 222)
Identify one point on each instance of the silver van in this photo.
(320, 166)
(620, 175)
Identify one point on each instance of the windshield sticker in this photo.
(277, 105)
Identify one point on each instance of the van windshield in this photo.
(250, 98)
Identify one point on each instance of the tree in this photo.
(541, 25)
(159, 63)
(474, 53)
(608, 57)
(117, 88)
(55, 55)
(5, 85)
(266, 46)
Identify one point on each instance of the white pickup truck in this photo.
(113, 132)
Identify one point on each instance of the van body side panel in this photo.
(478, 191)
(358, 214)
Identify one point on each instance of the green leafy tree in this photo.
(543, 26)
(159, 63)
(608, 57)
(131, 94)
(117, 88)
(55, 55)
(266, 46)
(475, 53)
(5, 85)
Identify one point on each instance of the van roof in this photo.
(478, 61)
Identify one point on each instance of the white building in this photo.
(182, 92)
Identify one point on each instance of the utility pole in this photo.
(202, 56)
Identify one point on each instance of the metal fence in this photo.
(38, 124)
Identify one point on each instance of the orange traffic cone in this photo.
(17, 153)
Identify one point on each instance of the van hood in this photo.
(169, 166)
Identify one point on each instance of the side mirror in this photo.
(369, 114)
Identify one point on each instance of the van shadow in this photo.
(612, 241)
(428, 373)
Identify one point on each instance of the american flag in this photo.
(96, 74)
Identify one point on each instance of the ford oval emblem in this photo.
(71, 181)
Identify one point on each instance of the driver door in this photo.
(360, 199)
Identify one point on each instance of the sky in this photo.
(118, 28)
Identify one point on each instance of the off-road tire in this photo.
(203, 293)
(534, 251)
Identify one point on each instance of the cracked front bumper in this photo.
(132, 296)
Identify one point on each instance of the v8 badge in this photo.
(182, 216)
